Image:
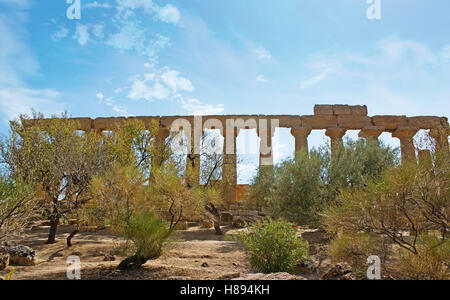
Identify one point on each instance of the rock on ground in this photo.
(341, 271)
(20, 255)
(4, 261)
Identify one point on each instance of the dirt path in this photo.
(195, 254)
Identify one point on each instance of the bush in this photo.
(430, 263)
(299, 189)
(407, 206)
(274, 246)
(148, 234)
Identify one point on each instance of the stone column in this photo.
(335, 134)
(229, 167)
(301, 138)
(371, 132)
(406, 137)
(440, 135)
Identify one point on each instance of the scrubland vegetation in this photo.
(368, 201)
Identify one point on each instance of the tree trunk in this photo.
(215, 212)
(70, 237)
(54, 221)
(132, 263)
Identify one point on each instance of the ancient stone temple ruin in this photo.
(335, 119)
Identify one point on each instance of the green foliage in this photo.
(299, 189)
(148, 233)
(17, 206)
(407, 205)
(354, 249)
(432, 261)
(274, 246)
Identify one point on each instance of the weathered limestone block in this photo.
(84, 124)
(372, 132)
(101, 124)
(148, 121)
(289, 121)
(341, 110)
(390, 122)
(353, 122)
(323, 110)
(319, 122)
(359, 110)
(425, 122)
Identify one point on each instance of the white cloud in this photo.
(262, 54)
(176, 83)
(120, 110)
(133, 37)
(125, 8)
(308, 83)
(82, 34)
(100, 96)
(445, 53)
(60, 34)
(261, 78)
(197, 108)
(16, 58)
(17, 3)
(97, 31)
(165, 84)
(169, 14)
(21, 100)
(16, 62)
(141, 90)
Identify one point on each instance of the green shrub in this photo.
(299, 189)
(274, 246)
(148, 233)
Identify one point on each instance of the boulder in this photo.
(272, 276)
(20, 255)
(340, 271)
(4, 261)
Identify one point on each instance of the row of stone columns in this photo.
(336, 134)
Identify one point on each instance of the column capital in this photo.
(301, 131)
(405, 132)
(335, 133)
(371, 132)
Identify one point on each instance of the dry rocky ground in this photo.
(194, 254)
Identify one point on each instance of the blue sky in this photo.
(143, 57)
